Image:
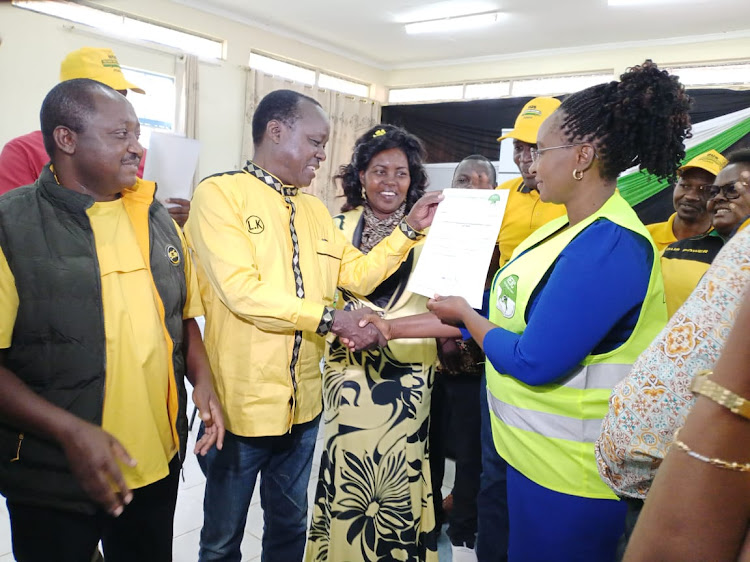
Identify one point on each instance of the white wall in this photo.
(33, 46)
(573, 61)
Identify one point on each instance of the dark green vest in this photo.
(58, 347)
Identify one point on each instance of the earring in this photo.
(364, 194)
(577, 174)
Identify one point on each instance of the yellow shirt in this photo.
(663, 233)
(239, 232)
(138, 372)
(524, 213)
(683, 265)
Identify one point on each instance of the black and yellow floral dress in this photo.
(374, 494)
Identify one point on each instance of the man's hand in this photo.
(450, 310)
(346, 326)
(93, 454)
(206, 401)
(423, 211)
(180, 211)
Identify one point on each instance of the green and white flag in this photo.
(718, 134)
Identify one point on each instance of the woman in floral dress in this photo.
(374, 498)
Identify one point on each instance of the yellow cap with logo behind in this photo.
(96, 64)
(711, 161)
(531, 118)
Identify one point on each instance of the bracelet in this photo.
(723, 396)
(718, 463)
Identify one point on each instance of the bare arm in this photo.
(198, 373)
(697, 511)
(425, 325)
(91, 452)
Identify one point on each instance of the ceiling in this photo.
(372, 32)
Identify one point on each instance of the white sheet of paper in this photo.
(170, 162)
(458, 249)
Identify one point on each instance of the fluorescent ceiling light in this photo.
(458, 23)
(124, 26)
(633, 3)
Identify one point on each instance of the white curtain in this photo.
(186, 84)
(349, 117)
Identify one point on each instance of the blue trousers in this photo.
(492, 501)
(284, 463)
(547, 525)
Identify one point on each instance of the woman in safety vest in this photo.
(578, 302)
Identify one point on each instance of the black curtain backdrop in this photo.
(453, 130)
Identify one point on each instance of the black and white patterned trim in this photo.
(326, 321)
(286, 191)
(270, 180)
(410, 233)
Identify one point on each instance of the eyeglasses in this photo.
(537, 152)
(730, 192)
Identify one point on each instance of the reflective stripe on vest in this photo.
(543, 423)
(598, 375)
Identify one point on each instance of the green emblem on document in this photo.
(494, 198)
(506, 300)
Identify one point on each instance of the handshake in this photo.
(360, 329)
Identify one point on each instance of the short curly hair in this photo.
(641, 120)
(374, 142)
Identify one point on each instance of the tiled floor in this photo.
(189, 515)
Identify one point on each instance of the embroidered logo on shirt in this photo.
(254, 224)
(173, 255)
(506, 300)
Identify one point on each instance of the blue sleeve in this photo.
(465, 335)
(598, 280)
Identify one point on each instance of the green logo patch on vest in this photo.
(506, 299)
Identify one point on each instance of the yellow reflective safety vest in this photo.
(547, 432)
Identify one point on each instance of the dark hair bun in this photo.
(641, 120)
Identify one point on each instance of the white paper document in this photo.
(458, 249)
(170, 162)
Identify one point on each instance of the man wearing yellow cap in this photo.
(22, 158)
(685, 261)
(524, 213)
(690, 217)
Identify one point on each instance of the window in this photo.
(342, 85)
(127, 27)
(735, 74)
(435, 93)
(307, 76)
(550, 85)
(156, 108)
(538, 86)
(282, 69)
(487, 90)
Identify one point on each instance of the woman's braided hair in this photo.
(641, 120)
(373, 142)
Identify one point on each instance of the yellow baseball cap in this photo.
(531, 118)
(711, 161)
(97, 64)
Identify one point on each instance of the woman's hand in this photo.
(423, 211)
(450, 310)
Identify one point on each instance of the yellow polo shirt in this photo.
(524, 213)
(138, 385)
(663, 233)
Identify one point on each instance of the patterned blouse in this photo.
(653, 401)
